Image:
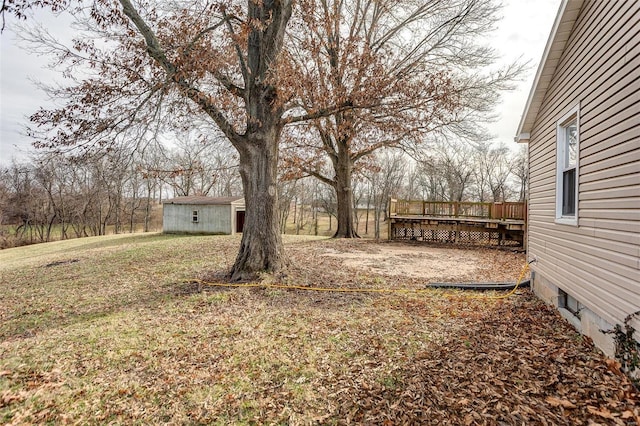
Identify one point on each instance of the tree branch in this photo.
(228, 84)
(154, 48)
(156, 51)
(318, 176)
(243, 64)
(223, 79)
(325, 112)
(205, 31)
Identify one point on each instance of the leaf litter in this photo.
(143, 350)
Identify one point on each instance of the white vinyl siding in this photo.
(597, 261)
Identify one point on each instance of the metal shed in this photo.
(203, 215)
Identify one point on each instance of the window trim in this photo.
(195, 216)
(573, 116)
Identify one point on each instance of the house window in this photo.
(194, 216)
(568, 302)
(568, 143)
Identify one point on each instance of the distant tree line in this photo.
(444, 171)
(57, 196)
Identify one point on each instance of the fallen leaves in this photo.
(258, 356)
(557, 402)
(497, 370)
(604, 413)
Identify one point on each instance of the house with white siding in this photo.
(582, 126)
(203, 215)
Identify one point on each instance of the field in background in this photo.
(16, 236)
(324, 226)
(112, 330)
(327, 226)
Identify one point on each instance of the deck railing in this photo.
(462, 209)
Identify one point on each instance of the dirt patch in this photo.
(424, 262)
(401, 264)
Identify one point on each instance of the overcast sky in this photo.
(523, 32)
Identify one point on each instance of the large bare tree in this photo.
(411, 69)
(139, 67)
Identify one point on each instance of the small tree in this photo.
(385, 180)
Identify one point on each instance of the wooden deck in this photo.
(458, 222)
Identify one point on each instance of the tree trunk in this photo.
(147, 210)
(376, 224)
(366, 222)
(344, 197)
(261, 249)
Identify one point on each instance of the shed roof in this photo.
(202, 200)
(560, 33)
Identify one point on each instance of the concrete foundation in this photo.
(585, 321)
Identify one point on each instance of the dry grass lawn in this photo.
(112, 330)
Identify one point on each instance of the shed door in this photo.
(239, 220)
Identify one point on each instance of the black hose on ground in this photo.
(481, 286)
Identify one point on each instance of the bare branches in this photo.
(153, 45)
(156, 51)
(19, 8)
(238, 49)
(381, 74)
